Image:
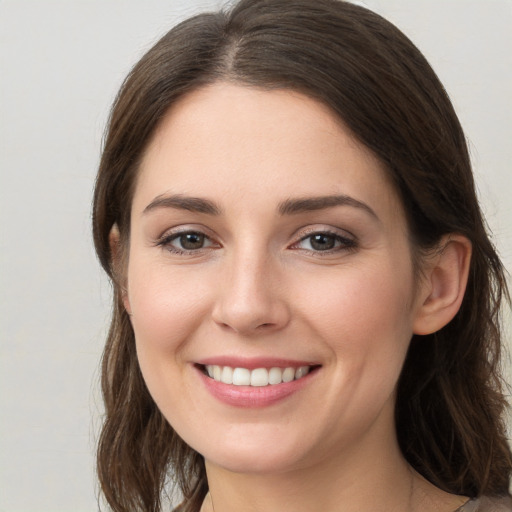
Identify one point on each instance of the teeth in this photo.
(241, 377)
(258, 377)
(275, 376)
(301, 372)
(227, 375)
(288, 374)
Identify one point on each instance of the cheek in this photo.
(365, 316)
(167, 305)
(361, 298)
(167, 309)
(365, 320)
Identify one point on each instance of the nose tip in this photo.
(249, 304)
(240, 326)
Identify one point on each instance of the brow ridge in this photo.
(182, 202)
(292, 206)
(301, 205)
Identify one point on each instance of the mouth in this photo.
(257, 382)
(257, 377)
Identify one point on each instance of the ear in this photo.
(114, 240)
(443, 284)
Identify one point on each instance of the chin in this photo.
(254, 463)
(254, 455)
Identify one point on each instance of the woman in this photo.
(306, 302)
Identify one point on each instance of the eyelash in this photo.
(166, 242)
(343, 243)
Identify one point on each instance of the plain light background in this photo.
(61, 63)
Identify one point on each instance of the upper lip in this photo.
(252, 363)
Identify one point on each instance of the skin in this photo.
(259, 288)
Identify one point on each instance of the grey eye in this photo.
(322, 241)
(186, 242)
(190, 241)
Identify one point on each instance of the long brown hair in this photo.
(450, 401)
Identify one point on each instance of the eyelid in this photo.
(170, 234)
(304, 232)
(347, 239)
(185, 228)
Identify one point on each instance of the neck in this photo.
(371, 476)
(281, 494)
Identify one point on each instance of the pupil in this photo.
(322, 242)
(192, 241)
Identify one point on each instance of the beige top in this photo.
(483, 504)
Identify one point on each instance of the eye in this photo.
(324, 242)
(186, 242)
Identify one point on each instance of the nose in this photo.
(251, 296)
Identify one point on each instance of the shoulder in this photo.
(487, 504)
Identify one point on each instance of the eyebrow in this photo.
(287, 207)
(307, 204)
(181, 202)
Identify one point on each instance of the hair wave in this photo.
(450, 400)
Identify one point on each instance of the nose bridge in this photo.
(249, 296)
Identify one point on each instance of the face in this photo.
(269, 281)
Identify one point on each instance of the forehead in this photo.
(227, 138)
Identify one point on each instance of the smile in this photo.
(258, 377)
(255, 383)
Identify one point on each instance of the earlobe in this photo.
(114, 240)
(443, 285)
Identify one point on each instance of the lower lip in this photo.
(254, 396)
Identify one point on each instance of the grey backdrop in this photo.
(60, 66)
